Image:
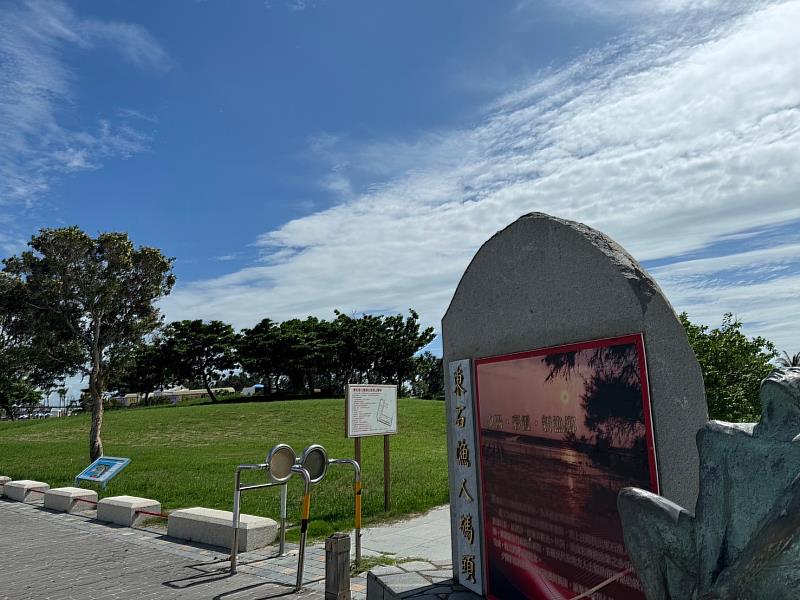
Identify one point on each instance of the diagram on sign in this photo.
(384, 416)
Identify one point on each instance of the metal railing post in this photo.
(282, 544)
(236, 499)
(357, 499)
(237, 502)
(303, 523)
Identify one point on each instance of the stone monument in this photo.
(568, 374)
(743, 541)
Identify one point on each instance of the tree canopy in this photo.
(194, 349)
(33, 357)
(99, 293)
(296, 357)
(733, 367)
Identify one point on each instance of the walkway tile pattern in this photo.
(49, 555)
(55, 556)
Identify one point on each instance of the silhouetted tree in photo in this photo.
(562, 364)
(613, 406)
(612, 396)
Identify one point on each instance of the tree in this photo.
(98, 292)
(257, 349)
(32, 357)
(357, 347)
(788, 360)
(400, 341)
(733, 367)
(428, 381)
(141, 369)
(199, 350)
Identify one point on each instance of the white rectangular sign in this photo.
(371, 410)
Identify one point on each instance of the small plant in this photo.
(382, 560)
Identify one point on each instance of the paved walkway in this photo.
(54, 556)
(425, 537)
(47, 555)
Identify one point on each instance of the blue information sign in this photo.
(103, 470)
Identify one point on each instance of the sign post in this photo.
(372, 410)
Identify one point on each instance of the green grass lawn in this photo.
(185, 456)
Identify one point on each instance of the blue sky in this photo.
(300, 156)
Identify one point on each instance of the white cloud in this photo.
(646, 8)
(667, 143)
(35, 87)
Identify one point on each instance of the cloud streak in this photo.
(669, 142)
(35, 88)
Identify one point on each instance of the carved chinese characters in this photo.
(464, 493)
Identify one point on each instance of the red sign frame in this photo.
(637, 339)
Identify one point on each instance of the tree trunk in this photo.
(96, 395)
(211, 393)
(8, 410)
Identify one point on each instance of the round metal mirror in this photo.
(315, 461)
(280, 460)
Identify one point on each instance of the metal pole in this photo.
(282, 546)
(387, 476)
(357, 499)
(236, 499)
(303, 523)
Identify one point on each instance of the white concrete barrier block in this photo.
(25, 490)
(122, 510)
(3, 480)
(70, 500)
(215, 527)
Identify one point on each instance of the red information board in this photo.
(562, 430)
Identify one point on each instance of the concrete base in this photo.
(215, 527)
(3, 480)
(25, 490)
(122, 509)
(69, 500)
(393, 583)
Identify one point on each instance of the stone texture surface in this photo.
(122, 510)
(215, 527)
(416, 580)
(544, 282)
(3, 480)
(25, 490)
(743, 541)
(70, 500)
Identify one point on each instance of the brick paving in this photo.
(48, 555)
(55, 556)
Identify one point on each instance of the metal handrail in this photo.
(238, 489)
